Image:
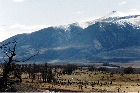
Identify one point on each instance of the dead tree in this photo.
(50, 76)
(44, 70)
(10, 53)
(9, 50)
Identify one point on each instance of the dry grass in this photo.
(127, 83)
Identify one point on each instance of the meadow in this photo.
(79, 80)
(89, 81)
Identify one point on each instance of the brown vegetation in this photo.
(78, 80)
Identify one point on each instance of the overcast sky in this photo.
(26, 16)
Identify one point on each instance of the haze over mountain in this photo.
(112, 38)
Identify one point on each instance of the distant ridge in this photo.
(112, 38)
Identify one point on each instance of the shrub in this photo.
(128, 70)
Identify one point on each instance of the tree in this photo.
(69, 68)
(91, 68)
(33, 71)
(103, 69)
(50, 76)
(44, 70)
(47, 74)
(9, 51)
(128, 70)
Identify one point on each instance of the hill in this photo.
(112, 38)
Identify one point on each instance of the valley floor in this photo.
(87, 81)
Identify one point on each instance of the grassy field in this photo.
(84, 81)
(90, 82)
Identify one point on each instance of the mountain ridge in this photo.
(107, 39)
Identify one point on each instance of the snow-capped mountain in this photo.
(115, 17)
(114, 37)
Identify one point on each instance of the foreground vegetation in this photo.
(42, 77)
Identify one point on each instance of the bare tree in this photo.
(9, 50)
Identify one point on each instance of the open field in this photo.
(80, 80)
(90, 82)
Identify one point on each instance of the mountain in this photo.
(112, 38)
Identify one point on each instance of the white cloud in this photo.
(18, 0)
(34, 27)
(122, 3)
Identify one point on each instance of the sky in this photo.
(26, 16)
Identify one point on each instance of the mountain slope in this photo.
(115, 37)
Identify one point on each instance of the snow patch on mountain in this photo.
(82, 25)
(132, 21)
(64, 27)
(114, 17)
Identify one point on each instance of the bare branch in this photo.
(7, 50)
(4, 58)
(3, 45)
(6, 53)
(27, 58)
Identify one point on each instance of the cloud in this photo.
(122, 3)
(29, 27)
(18, 0)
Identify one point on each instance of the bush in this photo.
(91, 68)
(69, 68)
(128, 70)
(103, 69)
